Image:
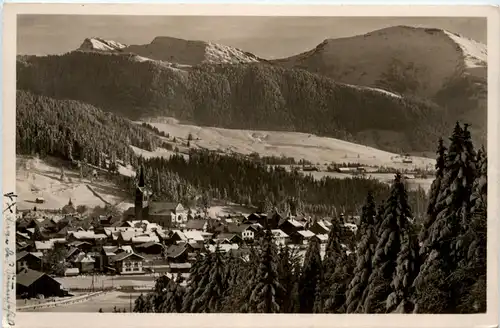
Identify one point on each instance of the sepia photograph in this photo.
(235, 164)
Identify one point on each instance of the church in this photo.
(166, 214)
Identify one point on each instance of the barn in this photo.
(31, 283)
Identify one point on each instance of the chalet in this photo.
(26, 260)
(319, 227)
(84, 246)
(105, 220)
(301, 236)
(200, 225)
(177, 253)
(31, 283)
(229, 238)
(150, 247)
(280, 237)
(256, 218)
(274, 219)
(290, 226)
(187, 236)
(84, 262)
(128, 263)
(72, 254)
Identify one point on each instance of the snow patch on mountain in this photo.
(475, 53)
(387, 93)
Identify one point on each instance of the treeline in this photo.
(397, 266)
(245, 96)
(243, 181)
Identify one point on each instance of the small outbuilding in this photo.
(32, 283)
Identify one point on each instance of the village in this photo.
(148, 240)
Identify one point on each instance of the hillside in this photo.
(184, 52)
(446, 68)
(42, 178)
(274, 143)
(255, 96)
(72, 130)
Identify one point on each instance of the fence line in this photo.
(71, 300)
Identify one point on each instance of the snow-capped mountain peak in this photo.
(98, 44)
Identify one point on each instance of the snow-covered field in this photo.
(290, 144)
(106, 302)
(38, 178)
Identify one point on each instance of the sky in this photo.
(266, 37)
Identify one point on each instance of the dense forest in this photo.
(246, 96)
(73, 130)
(396, 267)
(243, 181)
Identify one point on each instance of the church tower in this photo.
(141, 198)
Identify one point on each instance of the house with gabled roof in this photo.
(128, 263)
(150, 247)
(200, 225)
(280, 237)
(302, 237)
(319, 227)
(31, 283)
(256, 218)
(28, 260)
(84, 262)
(290, 226)
(228, 238)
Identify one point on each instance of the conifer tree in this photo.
(443, 242)
(198, 269)
(395, 222)
(364, 254)
(172, 301)
(208, 298)
(288, 278)
(337, 271)
(470, 277)
(311, 275)
(266, 284)
(435, 189)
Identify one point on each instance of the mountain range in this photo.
(396, 89)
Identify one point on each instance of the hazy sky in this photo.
(267, 37)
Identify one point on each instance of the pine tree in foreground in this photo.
(364, 254)
(471, 274)
(434, 191)
(198, 269)
(208, 298)
(266, 285)
(337, 271)
(174, 294)
(311, 275)
(288, 273)
(391, 238)
(435, 291)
